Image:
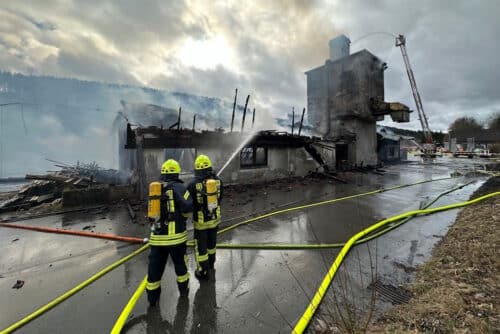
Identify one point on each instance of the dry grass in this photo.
(349, 306)
(457, 291)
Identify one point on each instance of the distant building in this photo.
(392, 147)
(468, 140)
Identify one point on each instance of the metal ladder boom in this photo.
(401, 42)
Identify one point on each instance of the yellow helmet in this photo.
(170, 167)
(202, 162)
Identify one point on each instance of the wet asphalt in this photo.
(252, 291)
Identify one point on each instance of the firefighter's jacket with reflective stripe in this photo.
(176, 205)
(202, 219)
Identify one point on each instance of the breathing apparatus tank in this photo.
(154, 201)
(211, 187)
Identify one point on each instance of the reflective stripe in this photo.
(165, 237)
(196, 255)
(186, 195)
(167, 240)
(204, 225)
(171, 228)
(183, 278)
(199, 197)
(218, 188)
(199, 258)
(211, 251)
(186, 215)
(200, 223)
(207, 225)
(201, 218)
(170, 200)
(153, 285)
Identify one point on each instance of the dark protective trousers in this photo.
(157, 260)
(205, 248)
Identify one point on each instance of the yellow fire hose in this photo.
(71, 292)
(288, 246)
(487, 172)
(130, 305)
(330, 201)
(305, 319)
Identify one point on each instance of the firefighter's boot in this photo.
(202, 275)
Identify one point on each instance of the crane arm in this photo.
(401, 42)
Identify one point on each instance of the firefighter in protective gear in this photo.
(169, 207)
(206, 191)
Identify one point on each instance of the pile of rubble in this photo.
(48, 188)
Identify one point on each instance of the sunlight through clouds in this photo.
(206, 54)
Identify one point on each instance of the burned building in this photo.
(345, 99)
(264, 156)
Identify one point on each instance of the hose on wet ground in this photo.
(330, 201)
(375, 234)
(308, 314)
(130, 305)
(137, 240)
(71, 292)
(120, 322)
(107, 236)
(488, 172)
(224, 230)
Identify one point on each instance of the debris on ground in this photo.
(19, 284)
(46, 191)
(131, 211)
(457, 290)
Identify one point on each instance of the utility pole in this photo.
(293, 118)
(234, 108)
(302, 120)
(253, 117)
(244, 113)
(194, 121)
(179, 119)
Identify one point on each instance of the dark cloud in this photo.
(213, 82)
(451, 44)
(451, 51)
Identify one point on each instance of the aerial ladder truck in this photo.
(428, 147)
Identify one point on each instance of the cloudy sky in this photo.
(262, 47)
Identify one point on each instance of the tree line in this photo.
(472, 124)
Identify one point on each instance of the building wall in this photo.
(364, 150)
(352, 82)
(282, 162)
(317, 101)
(153, 159)
(338, 99)
(389, 151)
(339, 47)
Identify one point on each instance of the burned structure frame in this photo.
(269, 154)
